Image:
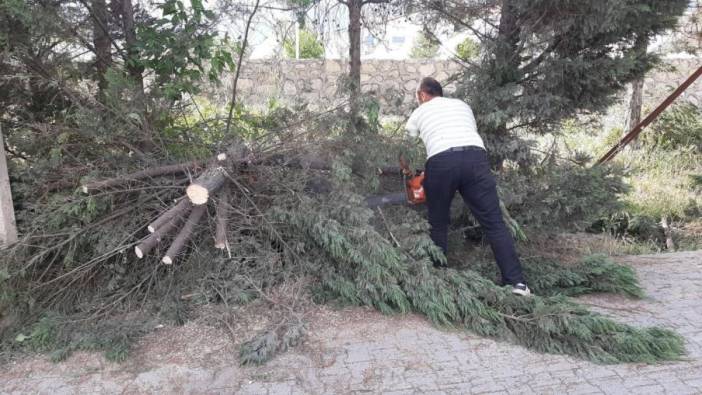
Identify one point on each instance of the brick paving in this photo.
(360, 351)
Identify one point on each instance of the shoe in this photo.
(521, 289)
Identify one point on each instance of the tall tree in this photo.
(636, 100)
(355, 8)
(546, 60)
(133, 65)
(101, 42)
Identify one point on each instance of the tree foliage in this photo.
(424, 47)
(180, 45)
(310, 46)
(468, 49)
(545, 61)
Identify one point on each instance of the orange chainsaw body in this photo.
(415, 189)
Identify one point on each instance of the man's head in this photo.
(428, 89)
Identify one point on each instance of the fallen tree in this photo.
(282, 219)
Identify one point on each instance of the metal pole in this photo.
(650, 118)
(8, 230)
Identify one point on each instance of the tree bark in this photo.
(505, 66)
(101, 42)
(636, 101)
(184, 235)
(178, 210)
(150, 242)
(354, 7)
(222, 217)
(209, 182)
(355, 45)
(135, 70)
(153, 172)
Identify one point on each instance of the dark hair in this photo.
(431, 87)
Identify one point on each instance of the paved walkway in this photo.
(360, 351)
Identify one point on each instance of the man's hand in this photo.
(404, 166)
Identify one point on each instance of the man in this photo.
(457, 161)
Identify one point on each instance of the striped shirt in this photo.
(444, 123)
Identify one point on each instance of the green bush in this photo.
(310, 47)
(567, 196)
(468, 49)
(424, 47)
(679, 127)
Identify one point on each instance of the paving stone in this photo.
(407, 356)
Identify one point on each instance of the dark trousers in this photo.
(468, 172)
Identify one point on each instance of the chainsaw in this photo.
(413, 183)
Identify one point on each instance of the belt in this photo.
(465, 148)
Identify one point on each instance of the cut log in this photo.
(179, 210)
(209, 182)
(221, 218)
(150, 242)
(184, 234)
(147, 173)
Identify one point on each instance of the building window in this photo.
(398, 39)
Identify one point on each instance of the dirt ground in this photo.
(360, 350)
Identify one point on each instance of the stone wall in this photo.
(316, 82)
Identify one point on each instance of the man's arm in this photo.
(410, 141)
(412, 126)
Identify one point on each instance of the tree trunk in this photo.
(8, 230)
(354, 56)
(101, 42)
(209, 182)
(148, 173)
(222, 216)
(505, 66)
(184, 235)
(135, 71)
(636, 102)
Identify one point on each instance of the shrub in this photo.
(567, 196)
(679, 127)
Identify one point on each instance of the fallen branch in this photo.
(184, 234)
(147, 173)
(221, 217)
(178, 210)
(150, 242)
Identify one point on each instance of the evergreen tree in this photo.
(310, 47)
(547, 60)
